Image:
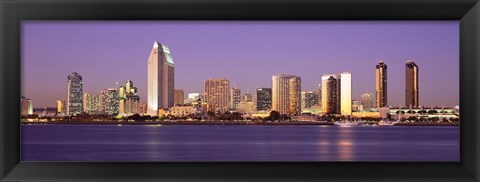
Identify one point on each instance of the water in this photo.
(238, 143)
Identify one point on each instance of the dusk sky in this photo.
(247, 53)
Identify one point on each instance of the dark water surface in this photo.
(239, 143)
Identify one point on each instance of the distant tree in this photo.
(211, 115)
(274, 115)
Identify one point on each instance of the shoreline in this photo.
(288, 123)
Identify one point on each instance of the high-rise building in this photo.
(91, 103)
(26, 106)
(345, 93)
(411, 84)
(217, 94)
(109, 101)
(319, 100)
(128, 99)
(234, 97)
(367, 101)
(331, 94)
(61, 107)
(264, 99)
(286, 94)
(309, 99)
(160, 79)
(381, 84)
(142, 108)
(179, 97)
(74, 94)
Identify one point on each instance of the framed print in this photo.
(271, 90)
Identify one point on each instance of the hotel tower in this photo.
(160, 79)
(74, 94)
(381, 84)
(411, 84)
(286, 94)
(217, 94)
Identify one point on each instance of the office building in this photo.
(109, 101)
(381, 85)
(61, 107)
(331, 94)
(91, 103)
(74, 94)
(264, 99)
(286, 94)
(367, 101)
(345, 93)
(309, 99)
(217, 94)
(160, 79)
(234, 97)
(411, 84)
(26, 106)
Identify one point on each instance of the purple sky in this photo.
(245, 52)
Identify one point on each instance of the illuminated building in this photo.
(160, 79)
(286, 94)
(345, 93)
(411, 84)
(142, 108)
(309, 99)
(367, 101)
(247, 98)
(61, 107)
(109, 101)
(26, 106)
(91, 103)
(234, 97)
(179, 97)
(264, 99)
(74, 94)
(128, 99)
(217, 94)
(331, 94)
(381, 84)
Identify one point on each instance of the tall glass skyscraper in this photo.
(411, 84)
(160, 79)
(74, 94)
(381, 84)
(286, 94)
(264, 99)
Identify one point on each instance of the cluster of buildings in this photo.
(333, 97)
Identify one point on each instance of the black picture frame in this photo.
(13, 12)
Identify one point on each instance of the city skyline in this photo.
(91, 85)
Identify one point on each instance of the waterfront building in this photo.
(179, 97)
(367, 101)
(142, 108)
(286, 94)
(356, 106)
(91, 103)
(217, 94)
(264, 99)
(319, 100)
(74, 94)
(345, 93)
(109, 101)
(128, 99)
(309, 99)
(381, 85)
(26, 106)
(411, 84)
(191, 97)
(331, 94)
(181, 110)
(305, 117)
(234, 97)
(366, 114)
(246, 107)
(160, 79)
(61, 107)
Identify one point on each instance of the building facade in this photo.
(411, 84)
(331, 94)
(264, 99)
(235, 95)
(367, 101)
(109, 101)
(217, 94)
(91, 103)
(160, 79)
(26, 106)
(286, 94)
(128, 99)
(61, 110)
(179, 97)
(74, 94)
(381, 85)
(345, 93)
(309, 99)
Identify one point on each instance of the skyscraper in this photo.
(128, 99)
(26, 106)
(61, 107)
(109, 101)
(247, 98)
(286, 94)
(264, 99)
(331, 94)
(381, 84)
(74, 94)
(411, 84)
(345, 93)
(367, 101)
(309, 99)
(217, 94)
(160, 79)
(179, 97)
(234, 97)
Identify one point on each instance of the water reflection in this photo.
(345, 144)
